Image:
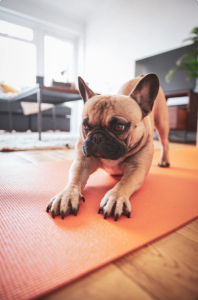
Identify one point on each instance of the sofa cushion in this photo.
(61, 123)
(19, 122)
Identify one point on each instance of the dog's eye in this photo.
(86, 128)
(119, 127)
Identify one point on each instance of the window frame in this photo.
(40, 30)
(15, 37)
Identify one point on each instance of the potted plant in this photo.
(188, 61)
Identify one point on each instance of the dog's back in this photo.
(158, 117)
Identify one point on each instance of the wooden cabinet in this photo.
(183, 117)
(177, 117)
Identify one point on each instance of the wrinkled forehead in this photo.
(99, 110)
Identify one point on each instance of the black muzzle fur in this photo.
(103, 145)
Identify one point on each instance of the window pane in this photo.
(58, 58)
(17, 63)
(16, 31)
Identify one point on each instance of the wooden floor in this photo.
(166, 269)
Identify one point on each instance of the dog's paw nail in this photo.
(166, 165)
(105, 215)
(75, 212)
(47, 209)
(53, 214)
(100, 209)
(128, 215)
(83, 199)
(116, 217)
(62, 214)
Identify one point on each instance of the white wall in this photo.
(133, 29)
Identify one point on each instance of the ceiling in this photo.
(81, 10)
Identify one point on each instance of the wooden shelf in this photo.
(185, 117)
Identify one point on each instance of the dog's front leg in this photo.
(67, 201)
(116, 201)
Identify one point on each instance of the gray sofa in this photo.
(60, 122)
(51, 120)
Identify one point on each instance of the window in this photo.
(58, 60)
(10, 29)
(17, 58)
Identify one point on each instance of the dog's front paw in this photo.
(115, 204)
(65, 202)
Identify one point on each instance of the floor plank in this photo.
(11, 159)
(193, 225)
(106, 283)
(167, 269)
(190, 231)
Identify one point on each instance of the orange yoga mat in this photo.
(40, 254)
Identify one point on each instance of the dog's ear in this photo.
(85, 91)
(145, 92)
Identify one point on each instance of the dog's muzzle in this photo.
(101, 144)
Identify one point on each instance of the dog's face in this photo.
(112, 126)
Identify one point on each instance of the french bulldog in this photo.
(116, 135)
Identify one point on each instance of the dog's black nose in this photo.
(97, 138)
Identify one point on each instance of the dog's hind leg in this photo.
(161, 123)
